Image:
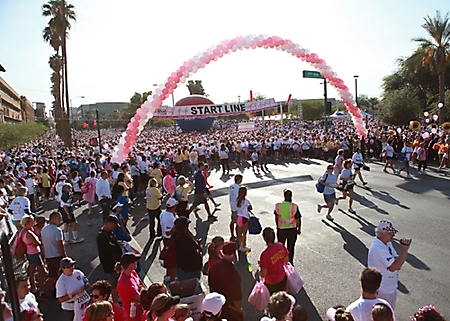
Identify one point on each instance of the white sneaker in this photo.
(78, 240)
(419, 173)
(66, 242)
(408, 176)
(241, 249)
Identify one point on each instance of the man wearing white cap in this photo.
(212, 306)
(383, 256)
(167, 221)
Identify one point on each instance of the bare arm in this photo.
(398, 263)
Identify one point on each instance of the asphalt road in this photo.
(329, 255)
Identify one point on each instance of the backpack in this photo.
(19, 248)
(319, 186)
(254, 226)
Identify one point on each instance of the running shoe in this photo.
(329, 217)
(319, 208)
(78, 240)
(351, 210)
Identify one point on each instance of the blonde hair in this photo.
(182, 311)
(22, 191)
(99, 311)
(26, 219)
(159, 304)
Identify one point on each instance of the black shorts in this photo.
(389, 157)
(65, 218)
(143, 179)
(199, 199)
(357, 167)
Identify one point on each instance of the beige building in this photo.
(10, 108)
(27, 110)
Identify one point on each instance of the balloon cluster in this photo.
(190, 67)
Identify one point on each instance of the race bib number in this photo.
(81, 302)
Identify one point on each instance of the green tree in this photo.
(312, 109)
(196, 88)
(12, 135)
(436, 51)
(56, 34)
(401, 106)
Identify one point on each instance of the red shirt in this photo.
(273, 259)
(128, 288)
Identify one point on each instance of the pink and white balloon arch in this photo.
(190, 67)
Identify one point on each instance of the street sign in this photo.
(312, 74)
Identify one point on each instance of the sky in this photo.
(117, 48)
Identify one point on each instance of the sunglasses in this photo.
(95, 296)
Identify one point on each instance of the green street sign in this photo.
(312, 74)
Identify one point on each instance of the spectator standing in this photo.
(153, 204)
(129, 286)
(101, 290)
(224, 278)
(20, 206)
(68, 215)
(233, 191)
(109, 252)
(27, 300)
(289, 223)
(103, 192)
(52, 238)
(383, 256)
(188, 251)
(90, 195)
(272, 261)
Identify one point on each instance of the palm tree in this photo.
(55, 63)
(56, 33)
(436, 51)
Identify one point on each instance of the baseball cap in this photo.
(386, 226)
(117, 205)
(229, 248)
(182, 221)
(63, 177)
(171, 202)
(212, 304)
(66, 262)
(128, 258)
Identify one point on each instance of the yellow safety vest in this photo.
(286, 215)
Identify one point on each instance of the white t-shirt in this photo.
(389, 150)
(382, 256)
(243, 209)
(361, 309)
(233, 194)
(29, 302)
(68, 285)
(407, 151)
(18, 207)
(254, 157)
(167, 221)
(329, 179)
(357, 158)
(201, 150)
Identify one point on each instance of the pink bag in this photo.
(294, 281)
(259, 297)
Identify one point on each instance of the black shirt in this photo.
(109, 250)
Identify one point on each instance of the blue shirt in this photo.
(200, 184)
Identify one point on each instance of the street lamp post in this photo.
(71, 108)
(356, 89)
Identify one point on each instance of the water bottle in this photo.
(250, 267)
(133, 310)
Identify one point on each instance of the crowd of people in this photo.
(164, 167)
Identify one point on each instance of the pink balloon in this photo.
(425, 135)
(435, 117)
(440, 105)
(427, 120)
(426, 114)
(399, 130)
(441, 134)
(433, 130)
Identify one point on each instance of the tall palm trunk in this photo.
(441, 72)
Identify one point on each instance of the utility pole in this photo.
(98, 131)
(325, 103)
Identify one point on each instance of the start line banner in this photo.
(204, 111)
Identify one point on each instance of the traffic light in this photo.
(285, 108)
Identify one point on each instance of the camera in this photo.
(406, 241)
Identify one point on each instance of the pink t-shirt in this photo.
(128, 287)
(31, 248)
(273, 259)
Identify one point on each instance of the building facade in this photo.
(87, 112)
(27, 110)
(10, 107)
(39, 112)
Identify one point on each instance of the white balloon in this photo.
(158, 91)
(154, 104)
(182, 80)
(186, 74)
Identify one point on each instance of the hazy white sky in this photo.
(119, 47)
